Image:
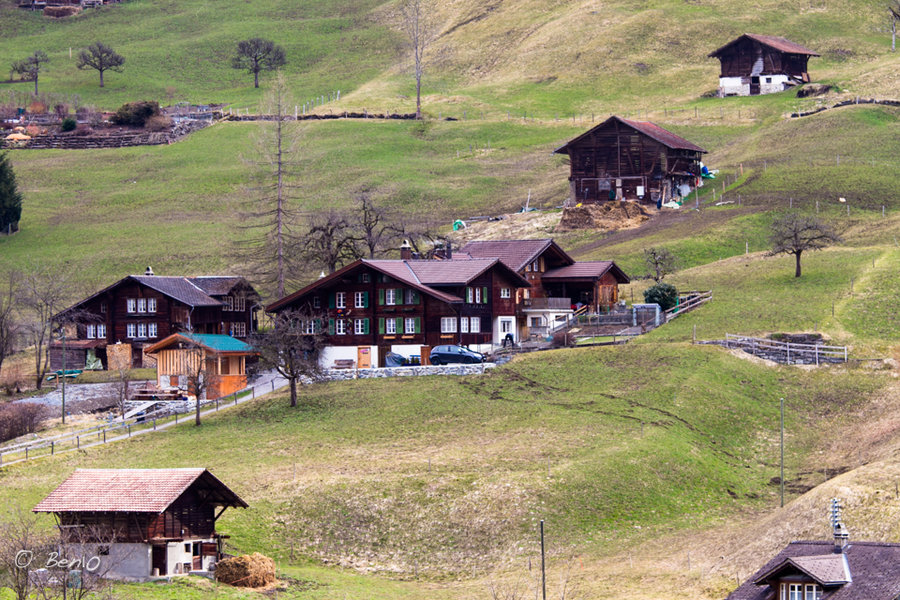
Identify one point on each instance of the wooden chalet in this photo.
(761, 64)
(142, 309)
(372, 307)
(559, 284)
(630, 160)
(220, 360)
(142, 522)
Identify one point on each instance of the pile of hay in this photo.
(253, 570)
(60, 12)
(607, 216)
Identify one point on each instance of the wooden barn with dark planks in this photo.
(142, 522)
(761, 64)
(630, 160)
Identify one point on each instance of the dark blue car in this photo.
(444, 355)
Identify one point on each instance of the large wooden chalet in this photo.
(372, 307)
(142, 309)
(559, 284)
(761, 64)
(142, 522)
(630, 160)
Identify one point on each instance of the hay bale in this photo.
(253, 570)
(607, 216)
(60, 12)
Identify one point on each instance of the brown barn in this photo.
(142, 309)
(761, 64)
(630, 160)
(142, 522)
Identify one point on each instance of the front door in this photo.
(158, 560)
(754, 86)
(363, 357)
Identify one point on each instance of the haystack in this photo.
(253, 570)
(607, 216)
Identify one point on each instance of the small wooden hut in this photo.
(761, 64)
(219, 361)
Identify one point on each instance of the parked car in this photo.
(443, 355)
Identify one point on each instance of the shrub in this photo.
(69, 124)
(61, 110)
(158, 123)
(84, 129)
(37, 108)
(663, 294)
(135, 113)
(19, 419)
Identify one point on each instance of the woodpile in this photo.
(250, 570)
(58, 12)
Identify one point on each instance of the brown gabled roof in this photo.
(778, 43)
(515, 254)
(216, 285)
(872, 568)
(651, 130)
(590, 269)
(132, 490)
(459, 271)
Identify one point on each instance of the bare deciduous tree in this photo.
(121, 387)
(795, 234)
(894, 9)
(20, 539)
(292, 346)
(417, 24)
(202, 374)
(42, 292)
(267, 252)
(9, 326)
(372, 223)
(101, 58)
(660, 262)
(329, 240)
(257, 54)
(30, 67)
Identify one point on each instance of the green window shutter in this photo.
(484, 298)
(317, 326)
(418, 325)
(331, 300)
(381, 325)
(365, 299)
(416, 298)
(330, 326)
(399, 329)
(381, 297)
(366, 326)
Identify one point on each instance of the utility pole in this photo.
(543, 567)
(782, 452)
(63, 374)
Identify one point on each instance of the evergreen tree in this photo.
(10, 198)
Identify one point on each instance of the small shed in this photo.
(761, 64)
(219, 360)
(630, 160)
(142, 522)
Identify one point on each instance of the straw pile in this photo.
(253, 570)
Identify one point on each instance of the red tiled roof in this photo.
(872, 568)
(592, 269)
(778, 43)
(651, 130)
(515, 254)
(129, 490)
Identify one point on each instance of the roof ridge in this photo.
(410, 269)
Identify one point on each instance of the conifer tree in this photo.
(10, 198)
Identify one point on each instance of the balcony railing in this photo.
(548, 303)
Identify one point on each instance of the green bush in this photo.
(135, 113)
(663, 294)
(69, 124)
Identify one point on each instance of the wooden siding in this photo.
(749, 58)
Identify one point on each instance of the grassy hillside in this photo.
(444, 479)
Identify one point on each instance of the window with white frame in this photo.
(390, 296)
(151, 305)
(505, 292)
(131, 330)
(464, 324)
(240, 303)
(340, 327)
(390, 326)
(142, 305)
(131, 305)
(91, 332)
(340, 299)
(448, 324)
(308, 326)
(506, 325)
(240, 329)
(101, 331)
(317, 302)
(478, 295)
(152, 330)
(229, 303)
(364, 278)
(409, 325)
(359, 299)
(359, 326)
(470, 295)
(475, 324)
(141, 330)
(103, 307)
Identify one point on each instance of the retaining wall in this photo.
(346, 374)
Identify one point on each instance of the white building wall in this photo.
(499, 334)
(124, 561)
(407, 350)
(733, 86)
(768, 84)
(778, 83)
(330, 354)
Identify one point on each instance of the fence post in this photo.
(52, 447)
(77, 442)
(26, 452)
(129, 430)
(104, 436)
(788, 353)
(235, 398)
(154, 424)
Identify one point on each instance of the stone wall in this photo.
(345, 374)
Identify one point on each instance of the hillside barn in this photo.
(761, 64)
(630, 160)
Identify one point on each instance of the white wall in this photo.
(330, 354)
(734, 86)
(124, 561)
(498, 336)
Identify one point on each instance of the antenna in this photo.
(841, 535)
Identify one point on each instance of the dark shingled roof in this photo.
(591, 269)
(131, 490)
(874, 571)
(778, 43)
(651, 130)
(515, 254)
(215, 285)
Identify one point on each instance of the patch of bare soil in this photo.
(609, 216)
(515, 226)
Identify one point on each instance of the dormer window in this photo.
(801, 591)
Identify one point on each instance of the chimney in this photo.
(149, 272)
(405, 250)
(449, 250)
(841, 534)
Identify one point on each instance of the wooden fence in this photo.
(688, 301)
(792, 352)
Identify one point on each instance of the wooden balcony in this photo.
(547, 303)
